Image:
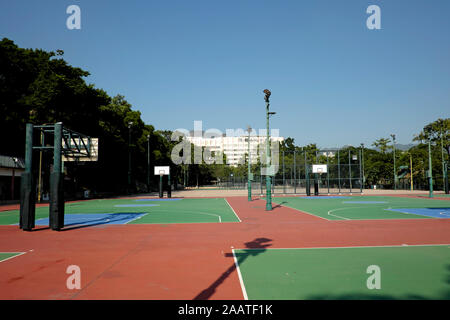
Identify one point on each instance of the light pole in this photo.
(249, 174)
(430, 169)
(362, 162)
(148, 163)
(411, 171)
(395, 171)
(268, 179)
(444, 172)
(13, 177)
(129, 155)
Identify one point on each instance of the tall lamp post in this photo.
(444, 166)
(129, 155)
(430, 169)
(148, 163)
(268, 160)
(362, 162)
(395, 171)
(249, 173)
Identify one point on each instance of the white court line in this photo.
(232, 209)
(15, 256)
(335, 215)
(302, 211)
(137, 218)
(241, 281)
(210, 214)
(381, 246)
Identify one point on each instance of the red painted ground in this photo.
(183, 261)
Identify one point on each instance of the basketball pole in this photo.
(268, 178)
(249, 181)
(430, 169)
(161, 194)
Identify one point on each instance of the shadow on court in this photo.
(258, 243)
(279, 205)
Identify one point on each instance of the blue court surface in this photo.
(94, 219)
(429, 212)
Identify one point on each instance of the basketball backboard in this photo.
(162, 170)
(319, 168)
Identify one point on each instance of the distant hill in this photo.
(399, 146)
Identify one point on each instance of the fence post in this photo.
(350, 170)
(328, 174)
(360, 175)
(295, 173)
(284, 176)
(339, 172)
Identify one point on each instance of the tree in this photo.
(382, 144)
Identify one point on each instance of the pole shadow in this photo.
(258, 243)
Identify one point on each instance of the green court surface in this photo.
(436, 195)
(153, 211)
(8, 255)
(367, 207)
(405, 272)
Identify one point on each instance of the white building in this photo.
(235, 148)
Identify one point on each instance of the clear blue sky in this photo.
(333, 81)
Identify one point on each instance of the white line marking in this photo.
(17, 255)
(302, 211)
(386, 246)
(335, 215)
(241, 281)
(137, 218)
(232, 209)
(210, 214)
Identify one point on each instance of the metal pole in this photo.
(411, 170)
(362, 161)
(443, 163)
(395, 171)
(27, 188)
(56, 216)
(148, 163)
(129, 156)
(295, 173)
(430, 169)
(339, 172)
(360, 172)
(268, 177)
(284, 177)
(350, 170)
(307, 186)
(249, 181)
(40, 167)
(328, 173)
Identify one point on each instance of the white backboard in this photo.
(319, 168)
(162, 170)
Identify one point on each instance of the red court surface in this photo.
(181, 261)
